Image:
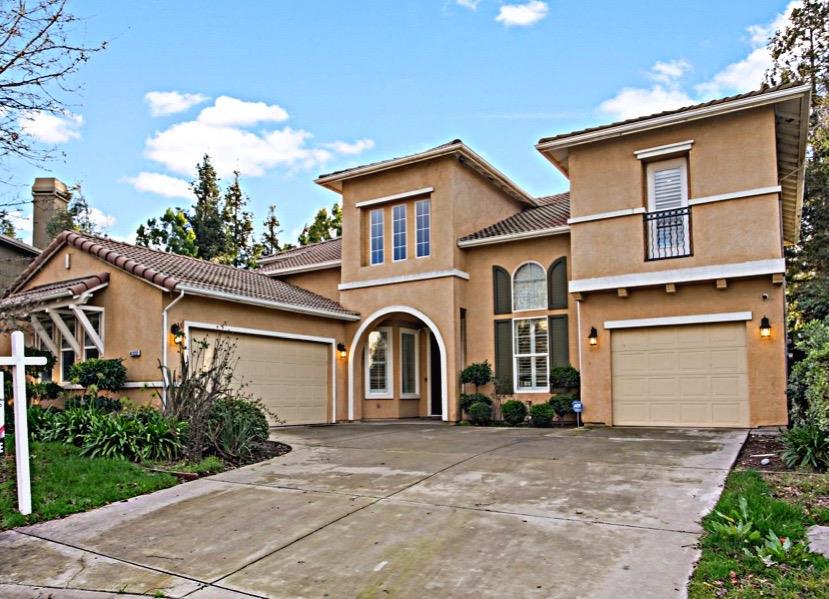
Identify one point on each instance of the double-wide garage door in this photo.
(689, 375)
(291, 377)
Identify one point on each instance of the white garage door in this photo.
(692, 375)
(291, 377)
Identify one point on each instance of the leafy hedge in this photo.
(542, 414)
(467, 399)
(514, 412)
(480, 413)
(107, 375)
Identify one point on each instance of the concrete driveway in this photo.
(403, 510)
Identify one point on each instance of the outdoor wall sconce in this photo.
(593, 337)
(341, 350)
(765, 327)
(178, 334)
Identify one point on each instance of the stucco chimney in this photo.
(49, 196)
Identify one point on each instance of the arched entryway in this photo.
(369, 324)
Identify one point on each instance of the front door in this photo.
(435, 386)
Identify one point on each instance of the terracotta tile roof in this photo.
(553, 212)
(65, 288)
(763, 90)
(19, 245)
(174, 273)
(325, 254)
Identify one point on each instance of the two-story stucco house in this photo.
(660, 276)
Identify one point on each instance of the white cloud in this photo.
(522, 15)
(51, 128)
(470, 4)
(232, 112)
(164, 103)
(666, 72)
(344, 147)
(102, 220)
(158, 183)
(632, 102)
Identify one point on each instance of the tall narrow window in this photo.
(398, 218)
(669, 218)
(67, 354)
(49, 327)
(408, 363)
(376, 236)
(423, 227)
(89, 349)
(529, 288)
(530, 352)
(378, 363)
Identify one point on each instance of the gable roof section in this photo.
(18, 245)
(58, 289)
(172, 272)
(456, 147)
(315, 256)
(550, 218)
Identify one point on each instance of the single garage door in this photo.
(291, 377)
(690, 375)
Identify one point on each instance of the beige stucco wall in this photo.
(322, 282)
(766, 357)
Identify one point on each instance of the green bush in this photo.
(809, 378)
(242, 414)
(467, 399)
(138, 436)
(107, 375)
(480, 413)
(562, 404)
(542, 414)
(479, 373)
(565, 377)
(806, 446)
(96, 402)
(40, 420)
(70, 426)
(514, 412)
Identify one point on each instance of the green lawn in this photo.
(725, 571)
(64, 482)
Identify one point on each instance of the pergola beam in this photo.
(43, 335)
(91, 333)
(67, 335)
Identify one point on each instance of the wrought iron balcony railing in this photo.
(668, 234)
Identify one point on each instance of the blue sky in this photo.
(285, 90)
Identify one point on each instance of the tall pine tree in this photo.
(206, 218)
(323, 227)
(239, 247)
(171, 232)
(271, 231)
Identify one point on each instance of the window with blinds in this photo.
(667, 184)
(668, 221)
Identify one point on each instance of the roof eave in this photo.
(306, 268)
(465, 243)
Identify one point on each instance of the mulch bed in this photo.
(261, 452)
(759, 447)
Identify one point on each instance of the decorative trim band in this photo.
(604, 215)
(514, 237)
(676, 320)
(306, 268)
(734, 195)
(680, 146)
(396, 196)
(680, 275)
(424, 276)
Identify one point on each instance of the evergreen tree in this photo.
(171, 232)
(270, 236)
(206, 218)
(77, 216)
(6, 225)
(238, 226)
(323, 227)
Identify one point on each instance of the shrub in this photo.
(809, 378)
(514, 412)
(479, 373)
(467, 399)
(480, 413)
(107, 375)
(244, 411)
(235, 426)
(139, 436)
(541, 414)
(565, 377)
(40, 420)
(70, 426)
(95, 402)
(806, 446)
(562, 404)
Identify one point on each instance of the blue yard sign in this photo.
(577, 406)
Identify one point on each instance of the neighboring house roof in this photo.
(55, 290)
(16, 244)
(315, 256)
(791, 106)
(173, 272)
(456, 147)
(550, 218)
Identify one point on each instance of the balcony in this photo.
(668, 234)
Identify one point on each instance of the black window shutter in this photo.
(557, 284)
(501, 292)
(503, 355)
(559, 341)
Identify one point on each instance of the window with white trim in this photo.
(529, 288)
(530, 354)
(67, 354)
(409, 363)
(89, 349)
(669, 233)
(398, 219)
(376, 237)
(378, 363)
(423, 228)
(49, 327)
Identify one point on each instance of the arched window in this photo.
(557, 284)
(529, 288)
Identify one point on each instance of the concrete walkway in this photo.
(403, 510)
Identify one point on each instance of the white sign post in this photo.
(18, 361)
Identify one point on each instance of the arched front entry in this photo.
(367, 324)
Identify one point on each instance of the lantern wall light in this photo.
(593, 337)
(765, 327)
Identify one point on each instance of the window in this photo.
(376, 236)
(667, 184)
(67, 354)
(529, 287)
(530, 354)
(398, 219)
(49, 327)
(378, 363)
(89, 349)
(409, 363)
(423, 228)
(668, 221)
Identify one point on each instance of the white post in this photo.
(2, 415)
(18, 361)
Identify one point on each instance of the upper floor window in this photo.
(668, 222)
(398, 218)
(529, 287)
(376, 237)
(423, 228)
(667, 184)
